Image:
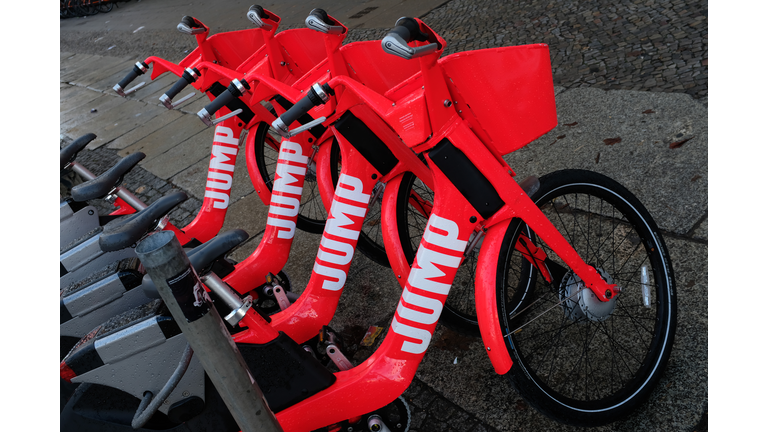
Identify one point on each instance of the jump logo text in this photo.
(428, 284)
(345, 220)
(286, 192)
(221, 167)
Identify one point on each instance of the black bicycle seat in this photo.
(69, 153)
(203, 256)
(123, 232)
(103, 184)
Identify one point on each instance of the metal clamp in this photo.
(238, 305)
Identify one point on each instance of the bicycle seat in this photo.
(103, 184)
(69, 153)
(122, 233)
(203, 256)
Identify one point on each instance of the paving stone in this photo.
(166, 138)
(115, 122)
(84, 113)
(178, 158)
(155, 123)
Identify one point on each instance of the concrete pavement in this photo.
(661, 156)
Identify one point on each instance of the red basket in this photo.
(506, 94)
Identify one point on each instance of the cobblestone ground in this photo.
(613, 45)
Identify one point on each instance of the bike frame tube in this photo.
(389, 371)
(273, 250)
(218, 187)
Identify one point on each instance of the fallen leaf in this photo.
(649, 111)
(572, 124)
(612, 141)
(597, 159)
(696, 177)
(561, 137)
(678, 144)
(140, 189)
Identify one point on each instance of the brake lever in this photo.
(285, 133)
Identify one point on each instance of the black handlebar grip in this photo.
(68, 153)
(133, 74)
(220, 102)
(408, 29)
(226, 97)
(322, 16)
(258, 10)
(185, 80)
(191, 22)
(299, 109)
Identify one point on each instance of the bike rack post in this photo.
(183, 293)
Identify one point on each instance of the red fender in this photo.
(253, 168)
(389, 231)
(485, 298)
(323, 173)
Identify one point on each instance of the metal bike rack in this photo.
(184, 295)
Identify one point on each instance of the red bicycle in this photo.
(575, 292)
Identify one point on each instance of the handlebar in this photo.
(191, 26)
(189, 76)
(405, 31)
(138, 69)
(319, 20)
(257, 16)
(317, 95)
(236, 89)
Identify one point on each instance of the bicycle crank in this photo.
(394, 417)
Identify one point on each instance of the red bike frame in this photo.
(453, 219)
(245, 50)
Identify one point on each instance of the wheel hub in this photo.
(579, 302)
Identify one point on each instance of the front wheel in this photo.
(576, 359)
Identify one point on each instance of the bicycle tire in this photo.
(86, 8)
(459, 312)
(550, 340)
(312, 212)
(105, 6)
(72, 9)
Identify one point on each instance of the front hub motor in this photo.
(579, 302)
